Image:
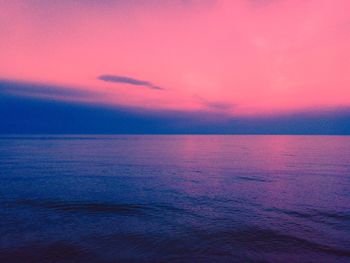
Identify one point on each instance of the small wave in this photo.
(336, 215)
(255, 179)
(266, 240)
(55, 252)
(85, 207)
(314, 214)
(151, 209)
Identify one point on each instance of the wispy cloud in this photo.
(216, 105)
(219, 105)
(128, 80)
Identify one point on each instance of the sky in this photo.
(162, 66)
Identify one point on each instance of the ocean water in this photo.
(174, 199)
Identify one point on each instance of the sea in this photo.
(174, 198)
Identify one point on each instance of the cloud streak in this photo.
(128, 80)
(220, 106)
(42, 90)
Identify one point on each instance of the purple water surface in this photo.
(193, 198)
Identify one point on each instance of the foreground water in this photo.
(174, 199)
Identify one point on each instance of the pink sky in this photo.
(236, 56)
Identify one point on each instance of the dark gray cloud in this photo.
(128, 80)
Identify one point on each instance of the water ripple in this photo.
(85, 207)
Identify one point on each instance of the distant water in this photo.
(174, 199)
